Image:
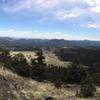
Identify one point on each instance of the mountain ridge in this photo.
(46, 42)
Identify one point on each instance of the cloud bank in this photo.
(47, 35)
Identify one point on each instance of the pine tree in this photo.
(39, 67)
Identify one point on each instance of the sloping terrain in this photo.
(14, 87)
(50, 57)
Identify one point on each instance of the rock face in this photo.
(5, 90)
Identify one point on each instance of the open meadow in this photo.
(50, 57)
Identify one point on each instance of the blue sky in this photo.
(50, 19)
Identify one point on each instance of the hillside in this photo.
(33, 44)
(50, 57)
(14, 87)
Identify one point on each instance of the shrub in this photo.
(87, 88)
(20, 65)
(58, 83)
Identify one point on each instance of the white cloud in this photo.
(35, 34)
(64, 8)
(69, 14)
(92, 25)
(47, 35)
(96, 9)
(91, 2)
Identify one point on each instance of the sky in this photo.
(50, 19)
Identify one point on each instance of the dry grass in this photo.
(28, 89)
(28, 54)
(25, 53)
(50, 58)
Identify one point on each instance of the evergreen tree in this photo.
(75, 72)
(20, 65)
(39, 67)
(40, 58)
(5, 58)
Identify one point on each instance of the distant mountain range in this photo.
(10, 42)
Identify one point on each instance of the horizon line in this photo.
(19, 38)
